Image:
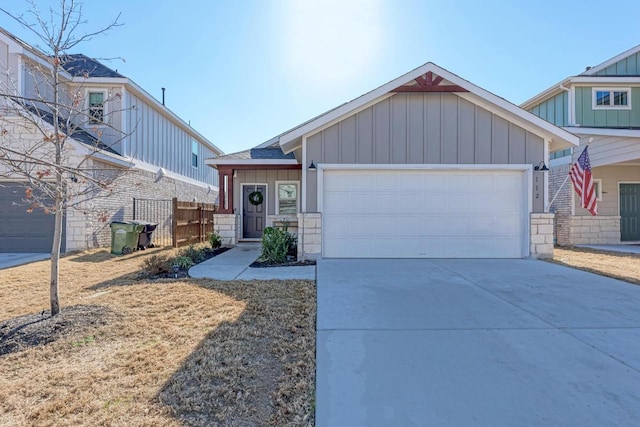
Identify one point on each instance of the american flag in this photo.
(583, 182)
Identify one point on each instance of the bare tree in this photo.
(49, 133)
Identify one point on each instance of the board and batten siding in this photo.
(588, 117)
(629, 66)
(262, 176)
(554, 110)
(157, 140)
(422, 129)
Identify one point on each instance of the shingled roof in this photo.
(80, 65)
(269, 153)
(76, 133)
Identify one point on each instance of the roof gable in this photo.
(625, 64)
(431, 78)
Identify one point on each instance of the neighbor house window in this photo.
(96, 107)
(559, 154)
(287, 202)
(615, 98)
(597, 187)
(194, 154)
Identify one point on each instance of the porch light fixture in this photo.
(542, 168)
(312, 165)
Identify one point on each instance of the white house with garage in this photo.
(428, 165)
(130, 137)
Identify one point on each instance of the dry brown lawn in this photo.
(611, 264)
(165, 352)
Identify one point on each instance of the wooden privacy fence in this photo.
(192, 221)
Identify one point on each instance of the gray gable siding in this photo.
(429, 128)
(554, 110)
(629, 66)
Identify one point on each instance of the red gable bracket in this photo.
(429, 84)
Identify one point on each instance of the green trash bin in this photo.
(124, 237)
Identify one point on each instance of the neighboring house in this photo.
(601, 106)
(149, 151)
(427, 165)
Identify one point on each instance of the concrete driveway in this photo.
(475, 342)
(8, 260)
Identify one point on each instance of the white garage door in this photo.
(424, 213)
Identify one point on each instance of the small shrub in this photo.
(157, 264)
(184, 262)
(197, 255)
(276, 243)
(215, 240)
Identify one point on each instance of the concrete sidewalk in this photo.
(629, 249)
(234, 265)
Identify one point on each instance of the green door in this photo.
(629, 212)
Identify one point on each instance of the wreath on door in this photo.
(256, 198)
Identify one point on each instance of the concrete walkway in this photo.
(8, 260)
(629, 249)
(474, 343)
(234, 265)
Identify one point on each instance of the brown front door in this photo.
(253, 216)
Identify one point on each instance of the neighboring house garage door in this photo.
(22, 231)
(424, 213)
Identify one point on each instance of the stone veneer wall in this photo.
(88, 226)
(541, 239)
(309, 236)
(227, 226)
(594, 230)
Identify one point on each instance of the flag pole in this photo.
(559, 189)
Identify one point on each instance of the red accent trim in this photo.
(429, 84)
(259, 167)
(227, 170)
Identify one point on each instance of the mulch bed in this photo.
(263, 264)
(32, 330)
(184, 272)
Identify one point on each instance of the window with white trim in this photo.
(597, 188)
(96, 107)
(287, 197)
(194, 154)
(611, 98)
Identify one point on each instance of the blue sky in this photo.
(243, 71)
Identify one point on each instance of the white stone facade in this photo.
(541, 238)
(594, 230)
(227, 226)
(309, 236)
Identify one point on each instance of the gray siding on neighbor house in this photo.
(554, 110)
(429, 128)
(157, 140)
(262, 176)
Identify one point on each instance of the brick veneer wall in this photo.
(88, 227)
(562, 204)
